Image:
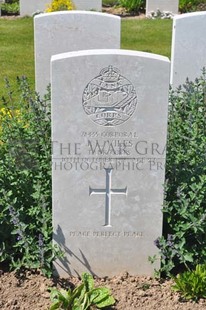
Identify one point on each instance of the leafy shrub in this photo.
(25, 180)
(60, 5)
(192, 284)
(84, 297)
(11, 1)
(10, 8)
(110, 2)
(184, 243)
(133, 5)
(190, 5)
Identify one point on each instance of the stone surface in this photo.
(61, 32)
(109, 124)
(188, 55)
(162, 5)
(95, 5)
(29, 7)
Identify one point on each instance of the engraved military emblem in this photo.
(109, 99)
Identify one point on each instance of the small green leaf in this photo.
(188, 258)
(55, 306)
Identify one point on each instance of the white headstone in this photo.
(109, 125)
(162, 5)
(61, 32)
(188, 55)
(95, 5)
(29, 7)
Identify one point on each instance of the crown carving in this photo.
(110, 74)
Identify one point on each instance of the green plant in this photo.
(190, 5)
(168, 252)
(10, 8)
(192, 284)
(132, 5)
(185, 191)
(110, 2)
(145, 286)
(84, 297)
(11, 1)
(25, 180)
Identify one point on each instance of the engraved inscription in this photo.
(109, 99)
(106, 234)
(108, 192)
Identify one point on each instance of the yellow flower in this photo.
(60, 5)
(6, 114)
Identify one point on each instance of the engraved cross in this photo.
(108, 192)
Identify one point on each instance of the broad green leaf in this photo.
(78, 292)
(101, 297)
(88, 281)
(109, 301)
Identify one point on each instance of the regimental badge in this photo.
(109, 99)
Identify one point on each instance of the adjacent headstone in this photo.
(94, 5)
(162, 6)
(29, 7)
(61, 32)
(109, 125)
(188, 55)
